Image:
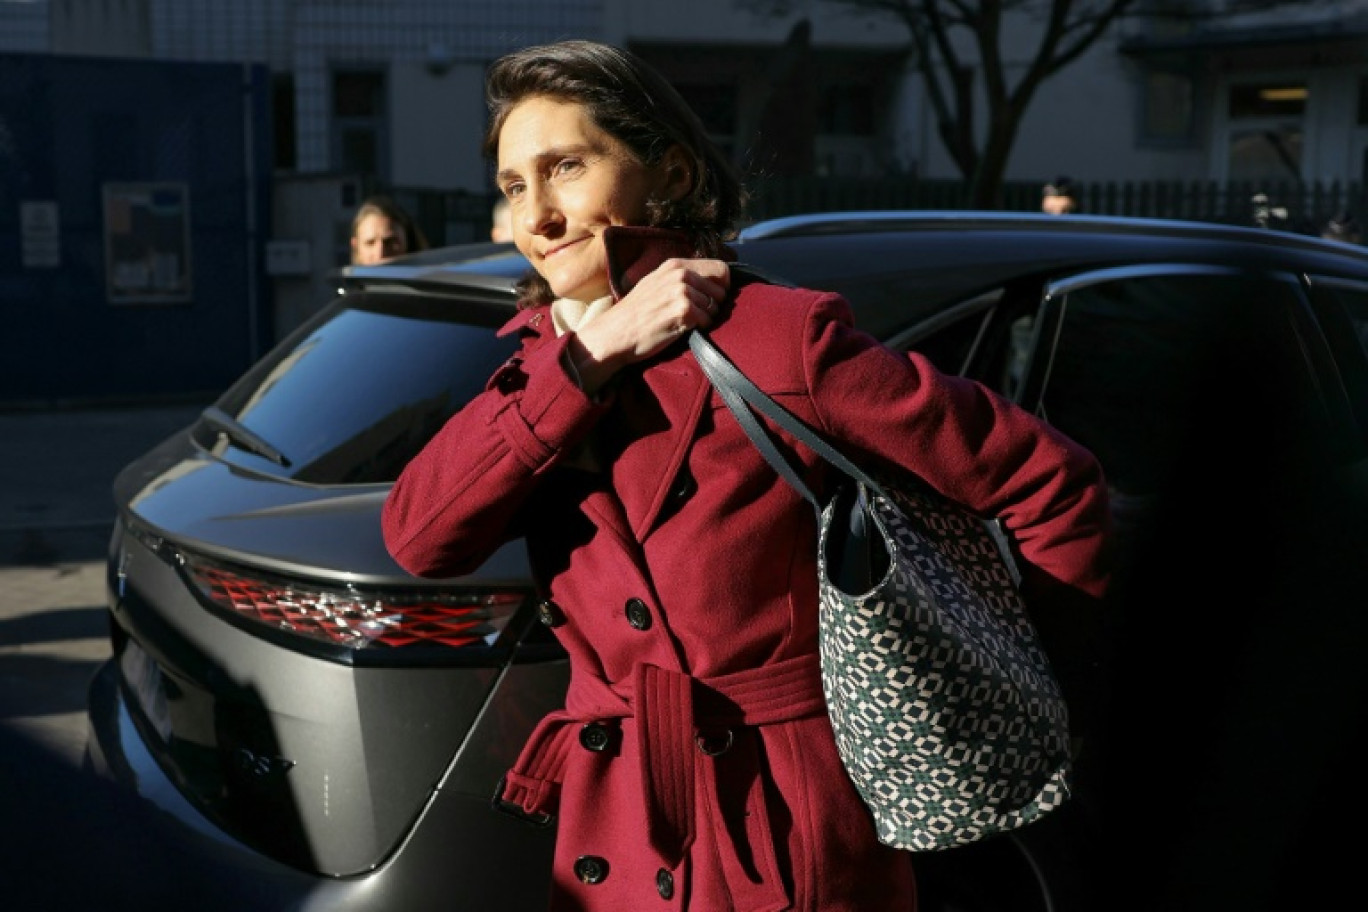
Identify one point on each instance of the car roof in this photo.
(937, 252)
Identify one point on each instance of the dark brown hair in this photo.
(634, 103)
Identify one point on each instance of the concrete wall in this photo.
(439, 118)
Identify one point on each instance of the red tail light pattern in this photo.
(358, 620)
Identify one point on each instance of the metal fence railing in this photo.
(1300, 207)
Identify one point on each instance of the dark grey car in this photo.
(318, 730)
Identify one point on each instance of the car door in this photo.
(1214, 401)
(1219, 402)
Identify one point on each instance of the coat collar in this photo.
(633, 253)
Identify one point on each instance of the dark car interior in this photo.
(1194, 388)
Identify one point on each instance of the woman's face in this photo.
(567, 180)
(378, 237)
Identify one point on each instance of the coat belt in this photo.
(671, 709)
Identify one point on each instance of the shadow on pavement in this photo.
(35, 547)
(84, 845)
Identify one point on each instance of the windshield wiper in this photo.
(242, 437)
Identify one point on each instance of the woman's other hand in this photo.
(677, 296)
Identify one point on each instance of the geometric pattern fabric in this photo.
(947, 716)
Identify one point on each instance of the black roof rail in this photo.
(854, 221)
(879, 220)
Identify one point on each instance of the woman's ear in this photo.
(678, 174)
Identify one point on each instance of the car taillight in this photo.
(354, 617)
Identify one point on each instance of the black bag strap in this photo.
(741, 394)
(738, 391)
(857, 556)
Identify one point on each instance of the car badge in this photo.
(260, 766)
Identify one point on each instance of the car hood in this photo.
(183, 493)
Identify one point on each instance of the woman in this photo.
(381, 229)
(693, 765)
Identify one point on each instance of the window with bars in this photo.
(359, 125)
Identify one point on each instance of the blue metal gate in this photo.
(134, 208)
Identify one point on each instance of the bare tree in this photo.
(936, 29)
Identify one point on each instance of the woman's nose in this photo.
(539, 211)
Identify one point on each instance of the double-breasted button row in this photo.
(683, 488)
(638, 615)
(596, 737)
(591, 869)
(715, 743)
(550, 614)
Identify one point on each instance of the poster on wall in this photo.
(39, 226)
(147, 243)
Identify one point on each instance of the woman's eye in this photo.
(512, 190)
(568, 165)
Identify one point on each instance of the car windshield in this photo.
(334, 405)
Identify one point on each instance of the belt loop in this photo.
(514, 809)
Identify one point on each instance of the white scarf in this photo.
(567, 314)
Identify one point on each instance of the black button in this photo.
(715, 744)
(591, 869)
(550, 614)
(664, 883)
(684, 487)
(638, 615)
(595, 737)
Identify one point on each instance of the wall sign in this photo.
(147, 243)
(40, 228)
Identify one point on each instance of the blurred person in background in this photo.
(1342, 226)
(381, 229)
(1059, 197)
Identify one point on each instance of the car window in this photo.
(1143, 366)
(1355, 302)
(986, 337)
(1341, 305)
(1182, 383)
(339, 405)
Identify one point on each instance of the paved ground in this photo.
(67, 841)
(56, 511)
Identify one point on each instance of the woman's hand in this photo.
(668, 302)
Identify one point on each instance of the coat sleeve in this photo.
(460, 498)
(966, 441)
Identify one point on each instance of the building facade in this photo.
(389, 94)
(392, 88)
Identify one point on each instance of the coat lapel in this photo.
(659, 418)
(645, 439)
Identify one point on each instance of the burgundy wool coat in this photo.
(693, 766)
